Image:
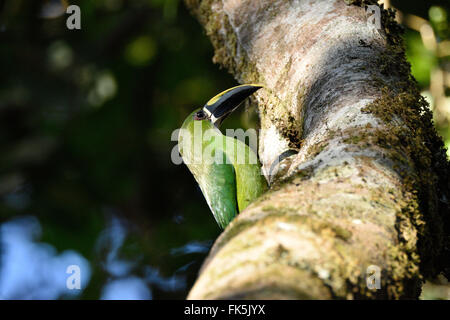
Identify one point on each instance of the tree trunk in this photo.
(369, 187)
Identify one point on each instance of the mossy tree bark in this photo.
(370, 184)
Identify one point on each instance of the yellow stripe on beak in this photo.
(217, 97)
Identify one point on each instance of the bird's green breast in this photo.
(210, 167)
(226, 169)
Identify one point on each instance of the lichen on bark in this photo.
(370, 183)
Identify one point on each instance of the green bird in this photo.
(226, 169)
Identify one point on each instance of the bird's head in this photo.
(222, 105)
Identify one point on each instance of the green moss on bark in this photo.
(410, 132)
(411, 141)
(360, 2)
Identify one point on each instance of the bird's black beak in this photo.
(219, 107)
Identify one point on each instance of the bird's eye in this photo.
(201, 115)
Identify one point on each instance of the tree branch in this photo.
(370, 184)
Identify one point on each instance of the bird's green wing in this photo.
(250, 183)
(210, 166)
(218, 185)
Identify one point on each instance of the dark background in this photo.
(86, 118)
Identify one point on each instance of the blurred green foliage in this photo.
(431, 66)
(86, 118)
(422, 60)
(86, 122)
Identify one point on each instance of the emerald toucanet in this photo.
(226, 169)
